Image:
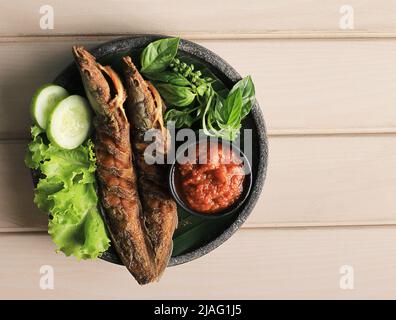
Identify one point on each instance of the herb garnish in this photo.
(191, 97)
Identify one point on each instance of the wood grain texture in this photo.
(303, 86)
(309, 86)
(328, 98)
(207, 17)
(321, 180)
(17, 211)
(311, 181)
(283, 264)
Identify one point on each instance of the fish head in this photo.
(102, 85)
(145, 105)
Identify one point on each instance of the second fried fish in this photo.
(144, 108)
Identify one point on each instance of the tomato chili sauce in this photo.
(213, 180)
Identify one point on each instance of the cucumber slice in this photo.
(69, 123)
(44, 100)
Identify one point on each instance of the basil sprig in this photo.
(190, 96)
(158, 54)
(176, 95)
(168, 77)
(248, 93)
(222, 117)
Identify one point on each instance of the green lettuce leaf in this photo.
(71, 166)
(36, 148)
(76, 226)
(46, 187)
(67, 192)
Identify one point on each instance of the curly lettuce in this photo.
(67, 192)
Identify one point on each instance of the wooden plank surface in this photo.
(312, 181)
(208, 17)
(303, 86)
(254, 264)
(17, 210)
(329, 102)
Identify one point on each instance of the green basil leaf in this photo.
(228, 132)
(233, 107)
(201, 89)
(168, 77)
(175, 95)
(248, 92)
(180, 118)
(158, 55)
(246, 109)
(206, 114)
(205, 102)
(218, 109)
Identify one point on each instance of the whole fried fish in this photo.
(117, 177)
(144, 108)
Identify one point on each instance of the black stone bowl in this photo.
(112, 51)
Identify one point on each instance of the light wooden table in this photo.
(329, 100)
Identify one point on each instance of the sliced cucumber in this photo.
(44, 100)
(69, 123)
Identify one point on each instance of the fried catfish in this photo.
(144, 108)
(116, 174)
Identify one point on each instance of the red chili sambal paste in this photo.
(213, 181)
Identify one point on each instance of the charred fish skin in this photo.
(144, 108)
(116, 174)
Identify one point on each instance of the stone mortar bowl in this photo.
(229, 76)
